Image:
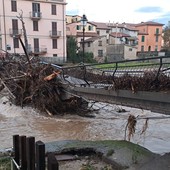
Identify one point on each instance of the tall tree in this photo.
(166, 37)
(72, 50)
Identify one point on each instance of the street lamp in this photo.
(83, 23)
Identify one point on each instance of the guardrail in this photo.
(107, 73)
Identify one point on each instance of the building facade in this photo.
(97, 45)
(45, 26)
(119, 40)
(149, 36)
(75, 29)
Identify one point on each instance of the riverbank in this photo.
(110, 154)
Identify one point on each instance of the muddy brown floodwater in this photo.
(107, 124)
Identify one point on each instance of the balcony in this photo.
(15, 33)
(35, 15)
(55, 34)
(37, 51)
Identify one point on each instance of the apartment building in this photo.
(149, 36)
(45, 25)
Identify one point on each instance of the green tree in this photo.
(72, 49)
(88, 57)
(166, 38)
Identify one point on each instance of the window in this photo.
(36, 10)
(15, 30)
(143, 38)
(35, 7)
(36, 45)
(14, 6)
(78, 27)
(142, 48)
(54, 43)
(55, 55)
(100, 43)
(88, 44)
(54, 28)
(107, 31)
(100, 53)
(130, 49)
(157, 30)
(35, 25)
(16, 42)
(90, 28)
(157, 38)
(98, 32)
(53, 10)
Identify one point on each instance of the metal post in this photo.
(16, 150)
(30, 153)
(40, 155)
(4, 25)
(52, 162)
(23, 157)
(83, 41)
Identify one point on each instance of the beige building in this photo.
(97, 45)
(45, 27)
(72, 18)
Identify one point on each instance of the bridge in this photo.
(141, 83)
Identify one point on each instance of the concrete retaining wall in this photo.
(154, 101)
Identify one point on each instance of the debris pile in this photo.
(147, 81)
(38, 85)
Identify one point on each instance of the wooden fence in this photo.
(30, 155)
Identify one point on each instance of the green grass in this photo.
(125, 64)
(5, 163)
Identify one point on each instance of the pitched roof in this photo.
(149, 23)
(101, 25)
(87, 34)
(93, 39)
(119, 34)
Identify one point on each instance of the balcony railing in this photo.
(35, 15)
(37, 50)
(15, 32)
(55, 34)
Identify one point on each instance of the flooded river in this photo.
(107, 124)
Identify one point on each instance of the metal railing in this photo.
(55, 34)
(155, 69)
(35, 15)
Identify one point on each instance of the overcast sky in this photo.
(133, 11)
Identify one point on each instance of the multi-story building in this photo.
(97, 45)
(117, 41)
(45, 26)
(75, 29)
(149, 36)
